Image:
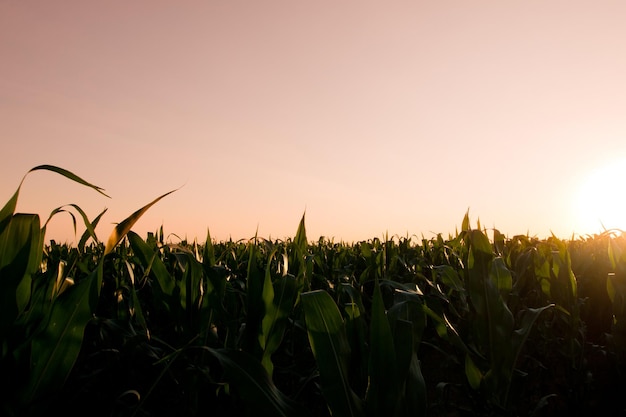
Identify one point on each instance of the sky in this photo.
(369, 118)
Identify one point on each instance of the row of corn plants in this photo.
(476, 324)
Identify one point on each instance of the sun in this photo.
(601, 202)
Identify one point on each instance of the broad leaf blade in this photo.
(279, 299)
(56, 348)
(18, 261)
(383, 391)
(5, 217)
(329, 343)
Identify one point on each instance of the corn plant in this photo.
(394, 383)
(43, 316)
(388, 326)
(616, 289)
(213, 328)
(44, 320)
(492, 343)
(489, 283)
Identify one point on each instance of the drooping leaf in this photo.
(449, 277)
(69, 175)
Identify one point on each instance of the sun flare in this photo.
(601, 202)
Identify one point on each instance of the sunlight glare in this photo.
(601, 203)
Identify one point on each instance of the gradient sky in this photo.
(372, 117)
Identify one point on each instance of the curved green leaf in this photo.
(18, 261)
(152, 263)
(327, 336)
(124, 227)
(69, 175)
(56, 348)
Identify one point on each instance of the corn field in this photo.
(475, 324)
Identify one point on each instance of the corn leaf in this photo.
(69, 175)
(254, 386)
(402, 334)
(501, 276)
(415, 390)
(5, 217)
(493, 324)
(278, 299)
(297, 259)
(327, 336)
(254, 302)
(208, 252)
(383, 391)
(151, 262)
(356, 331)
(18, 261)
(124, 227)
(473, 374)
(90, 231)
(56, 348)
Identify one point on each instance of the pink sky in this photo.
(373, 117)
